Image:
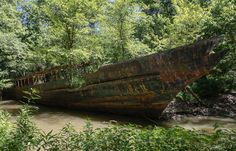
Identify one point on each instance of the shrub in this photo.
(23, 135)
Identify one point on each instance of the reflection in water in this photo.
(54, 119)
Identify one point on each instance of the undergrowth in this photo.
(23, 135)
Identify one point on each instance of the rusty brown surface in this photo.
(142, 86)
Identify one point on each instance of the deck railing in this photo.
(53, 74)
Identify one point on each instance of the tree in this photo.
(61, 32)
(117, 29)
(71, 24)
(12, 49)
(187, 25)
(153, 26)
(35, 21)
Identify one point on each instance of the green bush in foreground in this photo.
(23, 135)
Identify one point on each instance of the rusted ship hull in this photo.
(143, 86)
(127, 97)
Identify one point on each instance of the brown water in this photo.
(54, 119)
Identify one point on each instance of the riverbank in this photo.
(223, 105)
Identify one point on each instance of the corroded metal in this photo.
(142, 86)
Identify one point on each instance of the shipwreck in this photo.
(142, 86)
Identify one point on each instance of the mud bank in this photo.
(223, 105)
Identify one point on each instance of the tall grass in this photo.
(23, 135)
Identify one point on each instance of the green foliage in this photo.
(32, 95)
(10, 17)
(214, 85)
(23, 135)
(208, 87)
(34, 19)
(12, 49)
(187, 24)
(4, 82)
(118, 29)
(185, 96)
(71, 23)
(12, 52)
(5, 127)
(77, 80)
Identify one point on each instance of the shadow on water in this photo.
(50, 118)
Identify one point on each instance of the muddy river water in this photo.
(54, 119)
